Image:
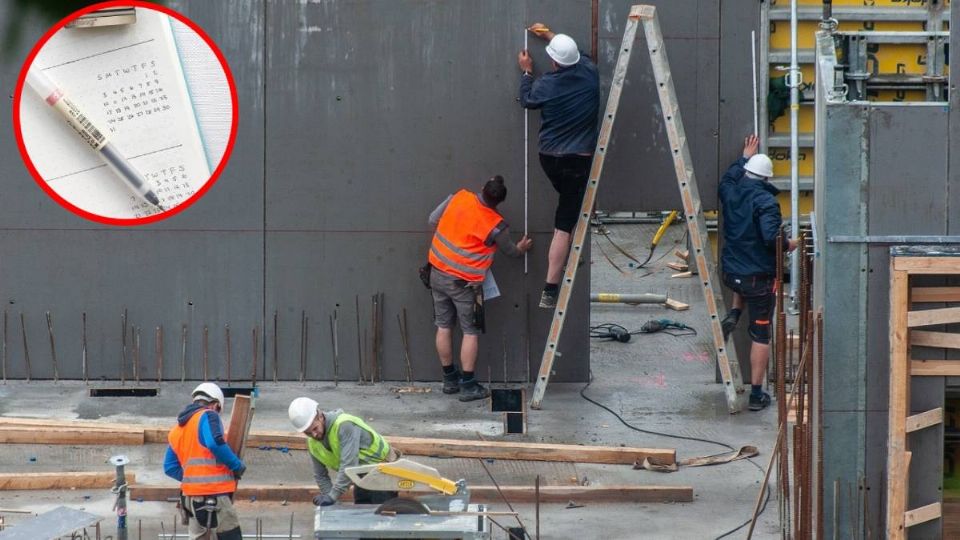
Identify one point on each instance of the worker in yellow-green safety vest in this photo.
(337, 440)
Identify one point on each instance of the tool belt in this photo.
(424, 272)
(204, 511)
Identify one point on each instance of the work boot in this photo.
(472, 390)
(548, 299)
(760, 401)
(728, 324)
(451, 383)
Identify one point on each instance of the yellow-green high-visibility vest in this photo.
(375, 453)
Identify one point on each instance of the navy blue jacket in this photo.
(751, 223)
(570, 101)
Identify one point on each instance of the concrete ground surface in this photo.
(655, 382)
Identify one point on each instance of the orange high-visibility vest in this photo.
(458, 246)
(202, 473)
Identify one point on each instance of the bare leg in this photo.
(468, 351)
(445, 346)
(557, 257)
(759, 355)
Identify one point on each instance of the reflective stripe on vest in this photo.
(375, 453)
(202, 473)
(459, 245)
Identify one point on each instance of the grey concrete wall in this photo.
(872, 186)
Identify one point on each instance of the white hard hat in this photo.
(563, 50)
(208, 391)
(302, 411)
(760, 165)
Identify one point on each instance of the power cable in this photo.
(681, 437)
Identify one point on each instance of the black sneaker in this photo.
(548, 299)
(758, 403)
(473, 391)
(451, 383)
(728, 324)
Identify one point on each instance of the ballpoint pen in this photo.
(81, 123)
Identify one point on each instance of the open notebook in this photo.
(130, 81)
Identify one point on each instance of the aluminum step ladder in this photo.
(690, 195)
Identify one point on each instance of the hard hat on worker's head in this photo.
(208, 392)
(563, 50)
(303, 411)
(760, 165)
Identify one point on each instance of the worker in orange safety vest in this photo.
(469, 230)
(208, 470)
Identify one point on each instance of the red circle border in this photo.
(18, 92)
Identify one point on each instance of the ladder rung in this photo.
(924, 419)
(922, 514)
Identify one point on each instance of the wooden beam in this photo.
(929, 317)
(531, 451)
(47, 435)
(899, 394)
(479, 494)
(944, 340)
(60, 480)
(934, 294)
(241, 416)
(935, 368)
(926, 265)
(922, 514)
(676, 305)
(73, 424)
(924, 420)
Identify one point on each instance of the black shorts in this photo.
(758, 294)
(568, 174)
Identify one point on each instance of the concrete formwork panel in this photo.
(639, 168)
(871, 186)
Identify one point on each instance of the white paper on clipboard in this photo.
(490, 289)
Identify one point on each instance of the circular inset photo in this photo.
(125, 112)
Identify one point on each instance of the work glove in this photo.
(239, 472)
(323, 500)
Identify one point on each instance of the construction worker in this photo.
(569, 100)
(468, 232)
(751, 227)
(337, 440)
(207, 469)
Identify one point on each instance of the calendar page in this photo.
(129, 81)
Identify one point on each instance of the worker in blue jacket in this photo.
(751, 227)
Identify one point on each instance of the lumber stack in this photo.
(60, 480)
(43, 431)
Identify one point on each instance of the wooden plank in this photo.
(928, 317)
(530, 451)
(478, 494)
(241, 416)
(945, 340)
(684, 255)
(935, 368)
(920, 295)
(927, 265)
(682, 275)
(897, 478)
(676, 305)
(60, 480)
(922, 514)
(71, 424)
(46, 435)
(924, 420)
(679, 267)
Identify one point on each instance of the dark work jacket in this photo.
(751, 223)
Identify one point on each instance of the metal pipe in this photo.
(158, 350)
(794, 83)
(628, 298)
(83, 347)
(360, 379)
(136, 354)
(753, 53)
(120, 489)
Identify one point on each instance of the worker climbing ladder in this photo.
(690, 195)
